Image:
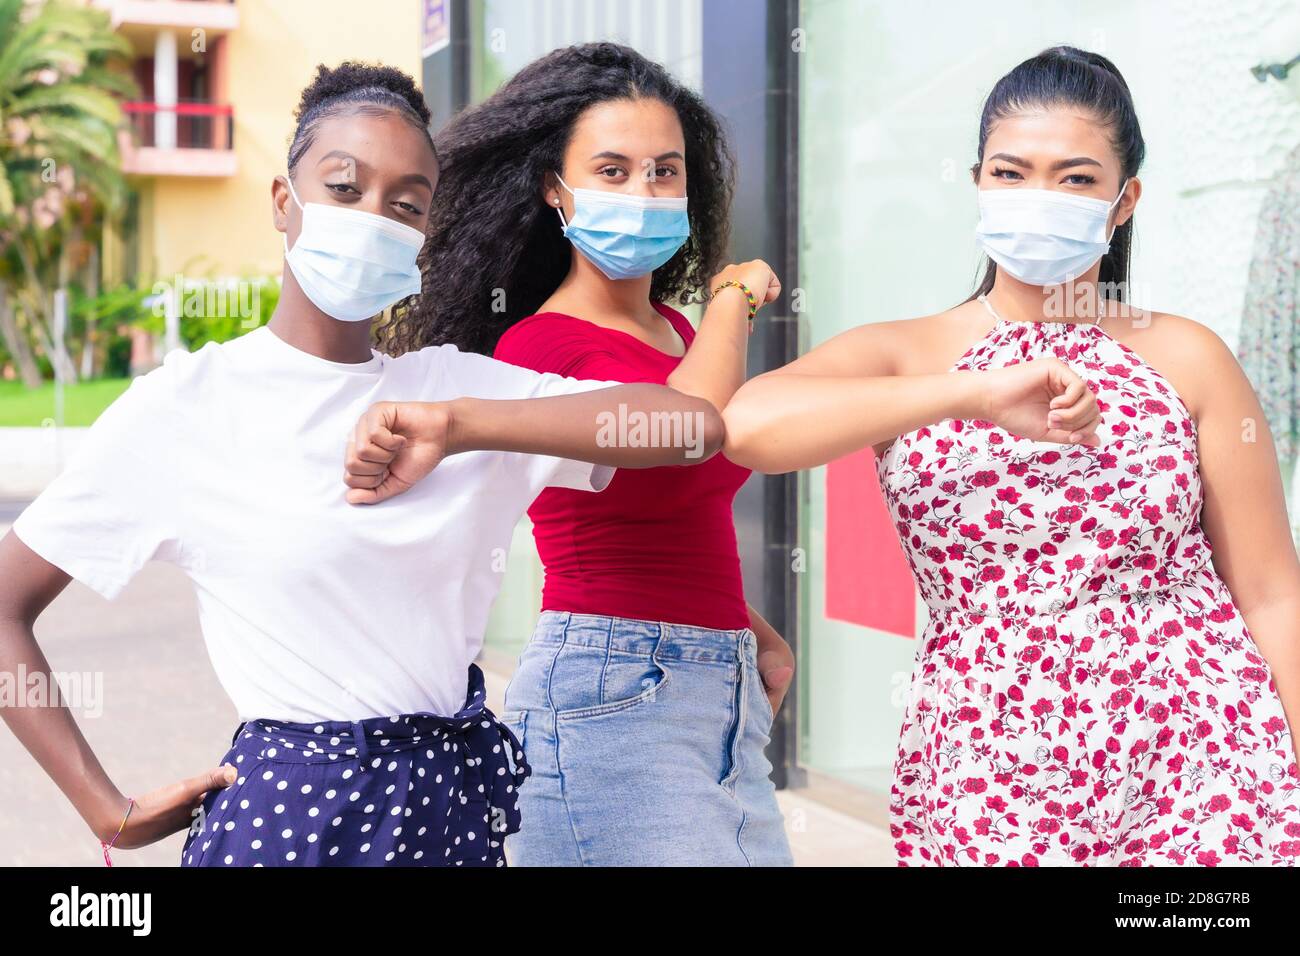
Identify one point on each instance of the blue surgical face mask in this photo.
(623, 236)
(1044, 236)
(353, 264)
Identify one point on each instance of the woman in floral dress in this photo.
(1112, 660)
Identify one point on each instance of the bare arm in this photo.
(572, 426)
(28, 584)
(782, 422)
(714, 366)
(841, 397)
(398, 443)
(1244, 514)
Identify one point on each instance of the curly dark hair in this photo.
(353, 87)
(492, 235)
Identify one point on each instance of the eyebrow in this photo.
(1060, 164)
(340, 154)
(606, 154)
(416, 178)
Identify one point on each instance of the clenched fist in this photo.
(756, 275)
(1043, 400)
(394, 445)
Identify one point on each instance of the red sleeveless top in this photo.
(658, 544)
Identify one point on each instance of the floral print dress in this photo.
(1085, 691)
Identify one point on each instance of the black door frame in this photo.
(751, 77)
(445, 76)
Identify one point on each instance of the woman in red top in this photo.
(577, 200)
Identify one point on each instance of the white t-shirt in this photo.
(228, 462)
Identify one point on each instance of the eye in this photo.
(1009, 175)
(665, 172)
(1080, 179)
(408, 208)
(342, 188)
(611, 172)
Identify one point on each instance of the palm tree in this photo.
(60, 95)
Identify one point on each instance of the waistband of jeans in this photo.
(663, 639)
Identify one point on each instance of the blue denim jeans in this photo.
(646, 745)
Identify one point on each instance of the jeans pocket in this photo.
(626, 681)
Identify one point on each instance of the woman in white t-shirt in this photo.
(343, 635)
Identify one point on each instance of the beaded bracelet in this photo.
(109, 845)
(749, 296)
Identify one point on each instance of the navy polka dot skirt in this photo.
(412, 790)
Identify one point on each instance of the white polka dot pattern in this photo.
(411, 790)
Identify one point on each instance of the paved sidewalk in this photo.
(33, 456)
(164, 716)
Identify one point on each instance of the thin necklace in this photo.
(993, 312)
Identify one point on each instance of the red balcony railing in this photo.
(199, 124)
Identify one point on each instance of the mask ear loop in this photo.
(1123, 186)
(1111, 237)
(292, 192)
(563, 222)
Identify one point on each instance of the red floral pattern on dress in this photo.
(1085, 691)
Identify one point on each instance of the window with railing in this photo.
(189, 124)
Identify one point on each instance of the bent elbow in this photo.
(711, 432)
(743, 439)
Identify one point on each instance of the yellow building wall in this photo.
(223, 226)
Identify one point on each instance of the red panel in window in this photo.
(868, 580)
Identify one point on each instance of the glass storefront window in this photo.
(507, 34)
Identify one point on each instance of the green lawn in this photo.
(82, 403)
